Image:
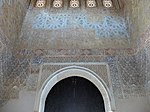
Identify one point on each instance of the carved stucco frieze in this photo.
(106, 27)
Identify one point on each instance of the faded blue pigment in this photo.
(107, 27)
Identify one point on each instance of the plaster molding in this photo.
(69, 72)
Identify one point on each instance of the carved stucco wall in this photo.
(147, 49)
(12, 13)
(137, 13)
(51, 29)
(129, 67)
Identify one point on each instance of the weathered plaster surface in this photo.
(23, 49)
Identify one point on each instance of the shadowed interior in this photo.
(74, 94)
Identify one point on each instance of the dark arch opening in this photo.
(74, 94)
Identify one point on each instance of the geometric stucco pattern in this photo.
(127, 79)
(20, 68)
(106, 27)
(12, 13)
(29, 38)
(133, 74)
(50, 29)
(147, 49)
(98, 68)
(56, 63)
(128, 71)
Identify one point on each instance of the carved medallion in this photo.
(91, 3)
(40, 3)
(107, 3)
(74, 3)
(57, 3)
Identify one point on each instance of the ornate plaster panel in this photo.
(108, 26)
(51, 30)
(133, 74)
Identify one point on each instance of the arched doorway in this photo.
(74, 94)
(70, 72)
